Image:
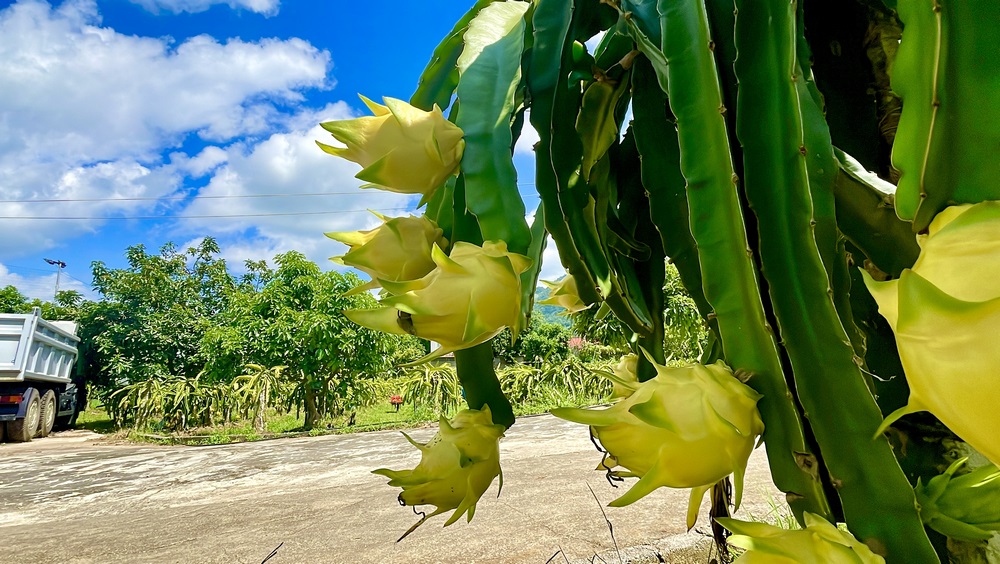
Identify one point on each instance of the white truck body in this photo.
(32, 349)
(37, 366)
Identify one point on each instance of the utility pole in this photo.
(59, 266)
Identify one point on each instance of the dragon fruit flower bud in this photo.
(945, 313)
(688, 427)
(402, 148)
(624, 377)
(456, 466)
(466, 300)
(564, 294)
(965, 507)
(819, 541)
(398, 250)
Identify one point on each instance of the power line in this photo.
(15, 267)
(166, 198)
(207, 216)
(196, 196)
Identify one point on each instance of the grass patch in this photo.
(380, 416)
(778, 514)
(95, 419)
(383, 415)
(547, 398)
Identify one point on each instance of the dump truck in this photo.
(37, 368)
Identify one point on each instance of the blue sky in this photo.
(143, 121)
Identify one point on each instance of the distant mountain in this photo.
(549, 313)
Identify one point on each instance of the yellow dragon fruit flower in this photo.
(402, 148)
(820, 542)
(456, 466)
(564, 294)
(965, 507)
(624, 378)
(945, 313)
(466, 300)
(688, 427)
(398, 250)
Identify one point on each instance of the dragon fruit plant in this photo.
(756, 146)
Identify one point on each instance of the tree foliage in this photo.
(541, 340)
(67, 305)
(684, 330)
(152, 316)
(182, 317)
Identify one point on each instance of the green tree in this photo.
(67, 305)
(294, 320)
(153, 315)
(12, 300)
(539, 341)
(684, 328)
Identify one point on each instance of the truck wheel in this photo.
(48, 413)
(23, 430)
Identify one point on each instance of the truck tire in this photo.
(48, 413)
(23, 430)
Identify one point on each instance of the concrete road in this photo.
(73, 500)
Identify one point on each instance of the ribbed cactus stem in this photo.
(551, 24)
(778, 127)
(716, 222)
(479, 380)
(949, 130)
(438, 81)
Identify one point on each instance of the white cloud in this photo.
(88, 112)
(525, 144)
(552, 268)
(287, 164)
(266, 7)
(201, 164)
(40, 286)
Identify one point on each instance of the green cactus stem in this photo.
(489, 73)
(438, 80)
(866, 214)
(716, 223)
(949, 131)
(775, 128)
(551, 25)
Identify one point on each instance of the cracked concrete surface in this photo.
(68, 499)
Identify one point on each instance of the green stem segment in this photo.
(728, 273)
(438, 81)
(479, 380)
(949, 131)
(867, 216)
(659, 155)
(779, 144)
(551, 23)
(489, 74)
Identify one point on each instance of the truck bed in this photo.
(33, 349)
